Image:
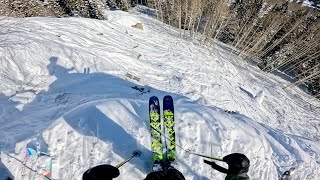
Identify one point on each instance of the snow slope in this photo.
(73, 87)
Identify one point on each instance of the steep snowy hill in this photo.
(78, 89)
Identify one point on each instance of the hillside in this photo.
(78, 89)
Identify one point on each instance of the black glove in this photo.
(235, 157)
(216, 166)
(158, 175)
(237, 162)
(174, 174)
(105, 172)
(211, 163)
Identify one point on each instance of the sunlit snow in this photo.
(79, 89)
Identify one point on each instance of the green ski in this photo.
(169, 123)
(155, 131)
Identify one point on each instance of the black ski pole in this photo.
(213, 158)
(136, 153)
(33, 170)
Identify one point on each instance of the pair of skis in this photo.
(163, 154)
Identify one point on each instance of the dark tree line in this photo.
(58, 8)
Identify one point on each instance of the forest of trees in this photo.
(57, 8)
(275, 34)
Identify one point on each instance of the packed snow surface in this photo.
(78, 89)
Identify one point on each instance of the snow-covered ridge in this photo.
(76, 97)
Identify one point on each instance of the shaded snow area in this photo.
(78, 89)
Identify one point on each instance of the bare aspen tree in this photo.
(297, 56)
(180, 15)
(168, 13)
(281, 39)
(160, 9)
(126, 4)
(186, 8)
(312, 43)
(222, 22)
(174, 8)
(268, 28)
(209, 18)
(269, 32)
(194, 20)
(191, 16)
(294, 66)
(306, 44)
(156, 7)
(316, 74)
(211, 29)
(238, 36)
(216, 20)
(307, 72)
(248, 38)
(200, 13)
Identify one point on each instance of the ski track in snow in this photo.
(65, 87)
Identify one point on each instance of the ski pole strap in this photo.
(213, 158)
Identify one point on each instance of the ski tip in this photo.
(167, 97)
(153, 99)
(137, 153)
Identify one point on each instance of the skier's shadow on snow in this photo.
(5, 105)
(57, 70)
(88, 119)
(70, 96)
(4, 172)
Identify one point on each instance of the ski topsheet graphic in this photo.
(168, 120)
(162, 154)
(155, 131)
